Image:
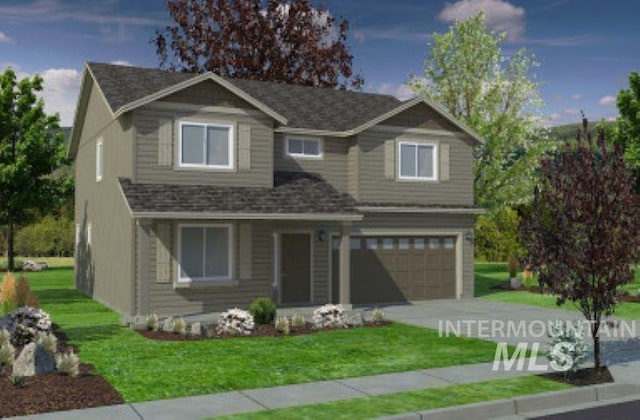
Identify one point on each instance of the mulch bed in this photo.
(260, 331)
(55, 392)
(583, 377)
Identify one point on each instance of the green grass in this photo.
(489, 275)
(142, 369)
(403, 402)
(51, 261)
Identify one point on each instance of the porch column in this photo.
(345, 265)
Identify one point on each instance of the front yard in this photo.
(142, 369)
(489, 275)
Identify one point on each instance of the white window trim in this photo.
(231, 144)
(99, 160)
(230, 230)
(318, 140)
(89, 233)
(418, 178)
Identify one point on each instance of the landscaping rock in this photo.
(196, 328)
(515, 282)
(168, 324)
(34, 266)
(34, 360)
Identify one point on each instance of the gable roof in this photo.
(297, 108)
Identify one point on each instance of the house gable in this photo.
(208, 93)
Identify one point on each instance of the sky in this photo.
(586, 48)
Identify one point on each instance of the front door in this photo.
(295, 275)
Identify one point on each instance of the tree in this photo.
(582, 232)
(628, 124)
(285, 41)
(29, 153)
(466, 72)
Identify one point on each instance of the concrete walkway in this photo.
(622, 356)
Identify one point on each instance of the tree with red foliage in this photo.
(283, 41)
(582, 232)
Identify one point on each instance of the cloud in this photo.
(121, 63)
(568, 41)
(116, 35)
(576, 97)
(571, 111)
(4, 38)
(58, 11)
(500, 15)
(393, 34)
(359, 35)
(60, 92)
(402, 92)
(607, 100)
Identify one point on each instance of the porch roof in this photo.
(295, 196)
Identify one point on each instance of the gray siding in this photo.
(421, 116)
(374, 186)
(333, 166)
(165, 299)
(208, 93)
(104, 268)
(147, 121)
(353, 167)
(406, 222)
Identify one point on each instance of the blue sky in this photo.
(586, 48)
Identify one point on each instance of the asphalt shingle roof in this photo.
(293, 193)
(303, 106)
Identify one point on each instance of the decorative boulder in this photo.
(34, 360)
(168, 324)
(34, 266)
(196, 328)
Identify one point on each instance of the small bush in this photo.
(5, 336)
(68, 363)
(152, 322)
(168, 324)
(512, 265)
(49, 341)
(377, 316)
(7, 354)
(180, 326)
(282, 325)
(15, 294)
(263, 310)
(236, 322)
(17, 381)
(529, 279)
(567, 350)
(331, 316)
(298, 320)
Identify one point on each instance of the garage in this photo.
(386, 269)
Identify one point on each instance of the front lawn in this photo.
(404, 402)
(489, 275)
(142, 369)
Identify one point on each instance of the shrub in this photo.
(263, 310)
(180, 326)
(49, 341)
(512, 265)
(68, 363)
(377, 316)
(567, 339)
(528, 278)
(496, 235)
(236, 322)
(17, 381)
(152, 322)
(332, 316)
(25, 323)
(15, 294)
(298, 320)
(7, 354)
(282, 325)
(5, 336)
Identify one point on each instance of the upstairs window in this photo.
(417, 161)
(99, 160)
(206, 145)
(300, 147)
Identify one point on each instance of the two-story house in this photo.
(197, 193)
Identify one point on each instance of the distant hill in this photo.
(566, 132)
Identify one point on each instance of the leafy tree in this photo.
(29, 153)
(628, 124)
(496, 235)
(582, 232)
(282, 40)
(493, 93)
(49, 236)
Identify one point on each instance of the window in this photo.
(434, 243)
(372, 243)
(205, 252)
(403, 243)
(206, 145)
(418, 243)
(335, 243)
(77, 234)
(449, 243)
(89, 231)
(387, 243)
(99, 160)
(417, 161)
(355, 243)
(303, 147)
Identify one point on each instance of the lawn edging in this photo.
(526, 404)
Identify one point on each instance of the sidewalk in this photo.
(289, 395)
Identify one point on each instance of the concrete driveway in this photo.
(514, 323)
